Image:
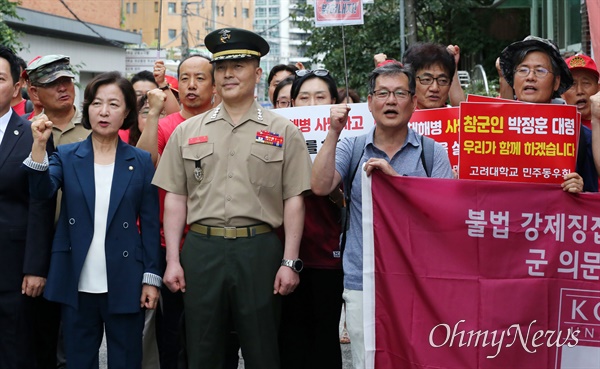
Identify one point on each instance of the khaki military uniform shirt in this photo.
(231, 179)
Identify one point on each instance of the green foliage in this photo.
(8, 36)
(459, 22)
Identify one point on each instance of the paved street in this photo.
(346, 357)
(346, 354)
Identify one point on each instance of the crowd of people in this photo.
(185, 221)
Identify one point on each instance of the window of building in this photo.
(156, 6)
(127, 8)
(134, 8)
(235, 12)
(198, 35)
(156, 33)
(246, 13)
(222, 11)
(172, 8)
(260, 2)
(274, 12)
(172, 33)
(260, 13)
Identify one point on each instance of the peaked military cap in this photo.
(235, 43)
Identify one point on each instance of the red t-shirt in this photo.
(124, 134)
(20, 107)
(320, 244)
(587, 123)
(166, 126)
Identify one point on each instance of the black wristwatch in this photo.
(166, 87)
(296, 265)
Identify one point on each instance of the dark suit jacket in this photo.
(26, 225)
(129, 252)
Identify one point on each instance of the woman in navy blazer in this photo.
(103, 268)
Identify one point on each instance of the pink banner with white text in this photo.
(480, 275)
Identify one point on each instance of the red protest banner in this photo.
(517, 142)
(480, 275)
(338, 12)
(442, 125)
(479, 98)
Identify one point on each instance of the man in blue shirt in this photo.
(392, 147)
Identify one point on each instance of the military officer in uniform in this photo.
(234, 174)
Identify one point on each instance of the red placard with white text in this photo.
(442, 125)
(338, 12)
(517, 142)
(479, 98)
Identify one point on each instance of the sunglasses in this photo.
(316, 72)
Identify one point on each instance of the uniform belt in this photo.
(231, 232)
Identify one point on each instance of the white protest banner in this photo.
(313, 122)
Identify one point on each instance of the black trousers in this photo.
(17, 339)
(230, 282)
(310, 318)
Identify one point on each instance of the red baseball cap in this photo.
(582, 62)
(173, 82)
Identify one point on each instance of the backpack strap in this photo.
(427, 149)
(357, 153)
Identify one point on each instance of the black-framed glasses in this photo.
(539, 72)
(383, 94)
(427, 79)
(316, 72)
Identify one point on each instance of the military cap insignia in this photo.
(225, 35)
(576, 62)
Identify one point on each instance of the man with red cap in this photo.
(585, 84)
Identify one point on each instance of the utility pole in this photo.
(412, 22)
(402, 29)
(185, 51)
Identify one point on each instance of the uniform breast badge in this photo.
(269, 138)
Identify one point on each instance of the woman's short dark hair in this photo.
(343, 93)
(126, 88)
(278, 68)
(134, 131)
(328, 79)
(143, 76)
(286, 82)
(426, 54)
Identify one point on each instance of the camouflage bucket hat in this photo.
(48, 69)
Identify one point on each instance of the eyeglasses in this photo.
(282, 103)
(539, 72)
(427, 80)
(316, 72)
(384, 94)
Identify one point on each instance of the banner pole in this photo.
(345, 65)
(159, 29)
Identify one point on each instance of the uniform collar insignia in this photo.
(215, 112)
